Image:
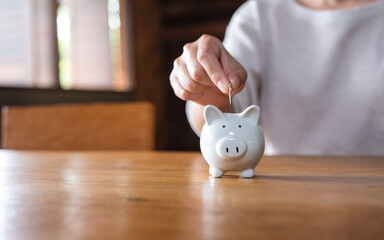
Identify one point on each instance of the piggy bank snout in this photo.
(231, 147)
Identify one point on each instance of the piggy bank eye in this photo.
(223, 126)
(239, 126)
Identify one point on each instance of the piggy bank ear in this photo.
(252, 112)
(211, 113)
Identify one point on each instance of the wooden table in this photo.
(164, 195)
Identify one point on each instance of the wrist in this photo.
(226, 108)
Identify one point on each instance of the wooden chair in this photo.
(95, 126)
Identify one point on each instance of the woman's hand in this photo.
(202, 73)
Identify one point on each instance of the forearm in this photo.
(195, 115)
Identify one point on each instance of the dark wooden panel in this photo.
(146, 51)
(180, 13)
(28, 96)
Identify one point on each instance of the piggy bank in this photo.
(232, 142)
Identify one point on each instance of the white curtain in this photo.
(27, 45)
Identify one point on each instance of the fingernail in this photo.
(234, 83)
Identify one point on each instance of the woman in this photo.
(315, 68)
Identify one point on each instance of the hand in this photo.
(202, 73)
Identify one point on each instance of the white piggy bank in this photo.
(232, 142)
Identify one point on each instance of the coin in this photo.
(230, 93)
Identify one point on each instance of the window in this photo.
(72, 44)
(26, 45)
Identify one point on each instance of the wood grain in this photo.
(163, 195)
(95, 126)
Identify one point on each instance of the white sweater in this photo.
(318, 76)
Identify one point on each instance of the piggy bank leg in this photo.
(247, 173)
(215, 172)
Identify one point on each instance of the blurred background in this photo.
(80, 51)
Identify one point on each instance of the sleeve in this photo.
(243, 41)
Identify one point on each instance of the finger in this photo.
(208, 57)
(181, 72)
(225, 62)
(182, 93)
(238, 79)
(237, 75)
(195, 70)
(188, 83)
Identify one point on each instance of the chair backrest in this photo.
(94, 126)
